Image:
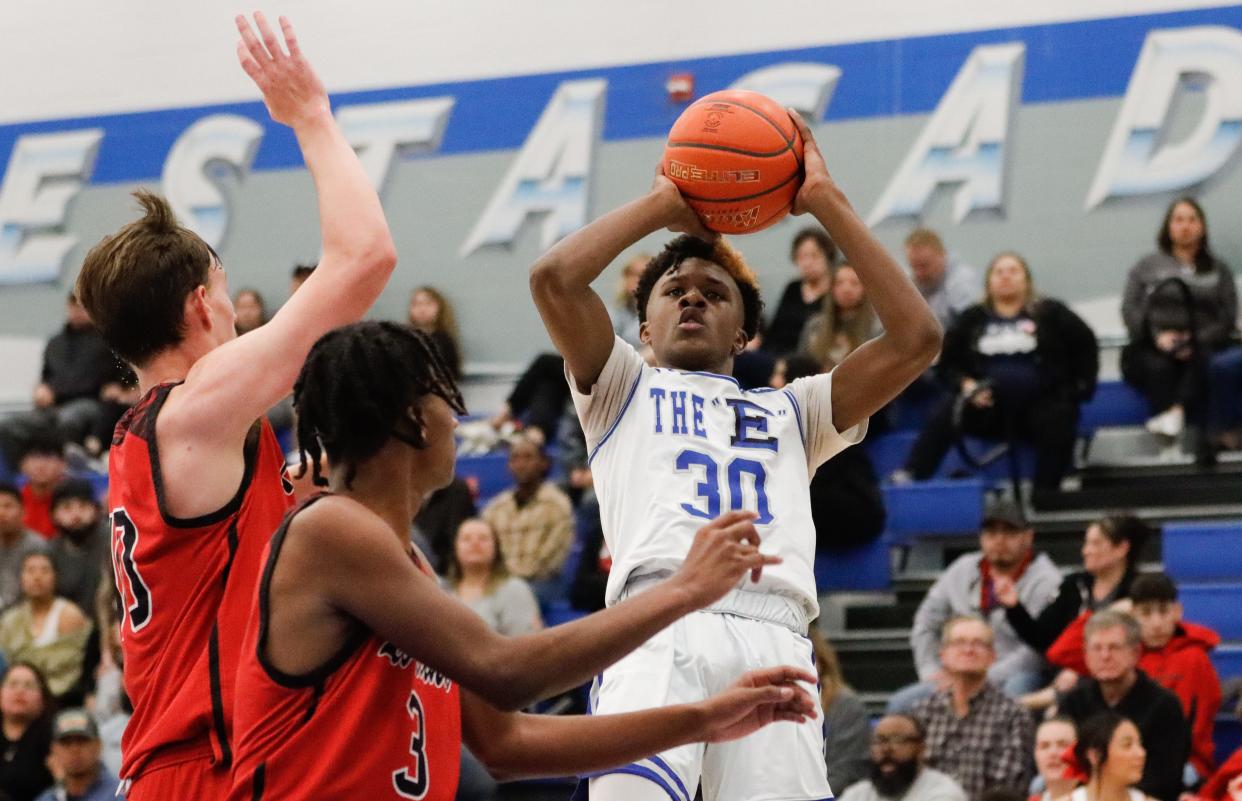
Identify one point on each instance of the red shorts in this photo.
(193, 780)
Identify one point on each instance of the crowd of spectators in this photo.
(1030, 682)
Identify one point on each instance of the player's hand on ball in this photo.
(723, 552)
(816, 179)
(677, 215)
(758, 698)
(291, 89)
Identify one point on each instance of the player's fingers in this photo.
(808, 138)
(730, 518)
(742, 531)
(247, 61)
(253, 45)
(783, 674)
(291, 38)
(268, 35)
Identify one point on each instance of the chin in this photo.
(694, 357)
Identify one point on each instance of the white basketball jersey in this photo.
(670, 450)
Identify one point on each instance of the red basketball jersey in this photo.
(186, 586)
(372, 723)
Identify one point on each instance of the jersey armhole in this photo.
(250, 454)
(320, 674)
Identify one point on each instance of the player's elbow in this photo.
(547, 278)
(925, 339)
(497, 757)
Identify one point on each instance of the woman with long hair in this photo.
(845, 718)
(431, 313)
(1108, 759)
(1019, 367)
(44, 629)
(1180, 308)
(249, 310)
(845, 321)
(624, 312)
(478, 577)
(25, 731)
(813, 254)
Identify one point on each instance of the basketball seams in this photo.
(726, 149)
(761, 115)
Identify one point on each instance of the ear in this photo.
(644, 333)
(197, 308)
(739, 342)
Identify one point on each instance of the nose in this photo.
(693, 297)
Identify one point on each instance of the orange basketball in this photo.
(736, 156)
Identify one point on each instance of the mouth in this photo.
(691, 320)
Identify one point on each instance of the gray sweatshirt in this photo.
(1149, 308)
(958, 591)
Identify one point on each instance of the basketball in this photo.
(736, 156)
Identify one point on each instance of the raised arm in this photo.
(876, 372)
(515, 746)
(560, 281)
(352, 563)
(240, 380)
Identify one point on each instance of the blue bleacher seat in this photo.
(888, 451)
(1227, 736)
(559, 612)
(490, 473)
(866, 567)
(1227, 659)
(1116, 403)
(1215, 606)
(997, 470)
(1208, 551)
(933, 507)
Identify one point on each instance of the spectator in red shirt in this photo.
(43, 467)
(1175, 655)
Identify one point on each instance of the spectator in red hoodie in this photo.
(1175, 655)
(43, 467)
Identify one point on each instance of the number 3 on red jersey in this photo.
(135, 595)
(414, 783)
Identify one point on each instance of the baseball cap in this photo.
(74, 723)
(1005, 512)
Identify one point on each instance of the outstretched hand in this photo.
(723, 551)
(816, 178)
(291, 90)
(758, 698)
(679, 217)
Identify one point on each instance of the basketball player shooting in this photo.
(351, 636)
(675, 444)
(197, 479)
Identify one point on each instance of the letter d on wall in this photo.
(1135, 161)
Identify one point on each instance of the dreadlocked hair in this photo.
(720, 253)
(355, 389)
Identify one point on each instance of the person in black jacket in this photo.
(1110, 555)
(1020, 367)
(813, 253)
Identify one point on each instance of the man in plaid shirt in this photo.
(974, 732)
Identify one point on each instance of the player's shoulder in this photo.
(333, 523)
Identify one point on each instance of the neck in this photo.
(373, 487)
(1009, 571)
(1102, 789)
(79, 784)
(1107, 580)
(1007, 307)
(15, 728)
(1114, 691)
(816, 285)
(1185, 253)
(10, 536)
(475, 574)
(40, 605)
(965, 687)
(167, 366)
(1060, 788)
(524, 492)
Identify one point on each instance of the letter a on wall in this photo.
(964, 142)
(551, 175)
(1136, 161)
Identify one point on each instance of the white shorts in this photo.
(701, 655)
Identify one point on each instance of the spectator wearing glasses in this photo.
(897, 766)
(974, 732)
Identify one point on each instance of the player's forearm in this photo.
(352, 221)
(547, 745)
(563, 657)
(573, 263)
(904, 314)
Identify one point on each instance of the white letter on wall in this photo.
(381, 132)
(964, 143)
(807, 88)
(1135, 161)
(45, 172)
(227, 139)
(552, 173)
